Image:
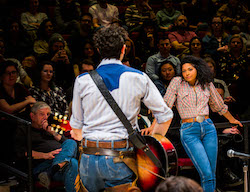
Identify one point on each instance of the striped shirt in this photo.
(133, 17)
(128, 86)
(193, 101)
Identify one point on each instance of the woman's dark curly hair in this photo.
(204, 74)
(37, 80)
(6, 64)
(109, 41)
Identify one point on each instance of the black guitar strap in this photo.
(134, 136)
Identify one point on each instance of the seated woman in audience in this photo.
(134, 61)
(167, 71)
(233, 62)
(226, 96)
(45, 89)
(14, 97)
(32, 19)
(45, 31)
(195, 48)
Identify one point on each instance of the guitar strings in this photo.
(157, 175)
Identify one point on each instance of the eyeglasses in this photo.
(11, 73)
(218, 23)
(48, 71)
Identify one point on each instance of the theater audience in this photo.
(103, 13)
(137, 13)
(216, 41)
(233, 62)
(67, 15)
(46, 90)
(45, 31)
(23, 76)
(181, 36)
(32, 18)
(154, 62)
(14, 97)
(167, 16)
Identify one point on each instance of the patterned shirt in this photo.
(128, 86)
(55, 98)
(191, 102)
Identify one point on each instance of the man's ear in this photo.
(123, 49)
(31, 115)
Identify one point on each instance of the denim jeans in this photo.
(200, 143)
(67, 174)
(100, 172)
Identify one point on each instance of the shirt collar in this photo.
(109, 61)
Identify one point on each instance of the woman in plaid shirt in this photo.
(191, 94)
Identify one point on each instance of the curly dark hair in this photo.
(6, 64)
(109, 41)
(204, 74)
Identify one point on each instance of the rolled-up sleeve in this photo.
(170, 95)
(76, 119)
(154, 101)
(216, 102)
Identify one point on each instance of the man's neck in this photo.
(165, 55)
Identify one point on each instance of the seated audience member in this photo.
(154, 62)
(61, 60)
(88, 52)
(130, 55)
(23, 76)
(29, 64)
(32, 19)
(245, 34)
(216, 41)
(17, 41)
(137, 13)
(181, 37)
(167, 16)
(226, 95)
(86, 66)
(14, 97)
(53, 154)
(233, 62)
(45, 89)
(78, 39)
(167, 71)
(103, 14)
(178, 184)
(67, 15)
(45, 31)
(195, 48)
(146, 42)
(233, 13)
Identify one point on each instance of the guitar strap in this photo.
(134, 136)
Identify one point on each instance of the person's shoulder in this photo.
(177, 80)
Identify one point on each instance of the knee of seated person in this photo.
(70, 142)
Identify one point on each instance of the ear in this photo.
(31, 115)
(123, 49)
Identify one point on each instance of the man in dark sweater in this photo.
(53, 154)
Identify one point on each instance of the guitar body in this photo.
(148, 171)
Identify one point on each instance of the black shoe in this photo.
(231, 180)
(44, 179)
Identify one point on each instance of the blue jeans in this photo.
(200, 143)
(100, 172)
(67, 174)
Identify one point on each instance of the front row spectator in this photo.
(53, 154)
(46, 90)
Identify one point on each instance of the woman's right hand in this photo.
(232, 130)
(30, 99)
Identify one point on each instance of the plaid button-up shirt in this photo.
(193, 101)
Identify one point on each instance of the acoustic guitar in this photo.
(150, 175)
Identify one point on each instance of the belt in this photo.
(107, 145)
(106, 152)
(199, 118)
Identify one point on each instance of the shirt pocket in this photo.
(205, 96)
(184, 99)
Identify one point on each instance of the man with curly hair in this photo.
(96, 125)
